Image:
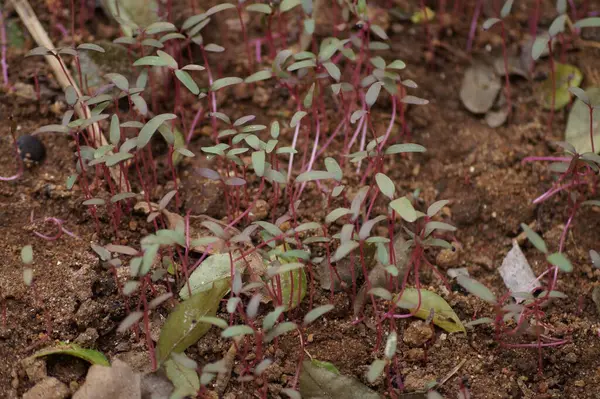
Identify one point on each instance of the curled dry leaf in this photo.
(89, 355)
(443, 315)
(320, 383)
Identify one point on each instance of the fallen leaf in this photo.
(89, 355)
(577, 132)
(496, 119)
(422, 16)
(565, 76)
(516, 272)
(325, 365)
(479, 89)
(182, 328)
(379, 276)
(185, 380)
(131, 14)
(443, 316)
(320, 383)
(215, 267)
(116, 382)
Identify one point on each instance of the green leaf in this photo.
(378, 30)
(488, 23)
(336, 214)
(325, 365)
(218, 8)
(506, 8)
(443, 315)
(566, 76)
(258, 163)
(287, 5)
(297, 118)
(391, 345)
(260, 75)
(333, 71)
(403, 207)
(237, 331)
(187, 81)
(214, 268)
(63, 348)
(93, 201)
(559, 260)
(214, 48)
(53, 128)
(316, 313)
(375, 370)
(280, 329)
(386, 185)
(151, 60)
(314, 175)
(309, 26)
(115, 130)
(150, 128)
(558, 25)
(182, 328)
(119, 157)
(262, 8)
(185, 380)
(477, 289)
(301, 65)
(592, 22)
(319, 381)
(373, 93)
(344, 249)
(436, 207)
(118, 80)
(396, 64)
(403, 148)
(27, 254)
(224, 82)
(171, 63)
(333, 167)
(534, 238)
(539, 46)
(160, 27)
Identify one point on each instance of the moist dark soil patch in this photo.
(477, 168)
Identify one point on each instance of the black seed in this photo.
(31, 148)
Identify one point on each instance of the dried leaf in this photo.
(182, 328)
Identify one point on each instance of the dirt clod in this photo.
(417, 334)
(49, 388)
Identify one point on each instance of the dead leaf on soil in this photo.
(577, 132)
(183, 328)
(565, 76)
(116, 382)
(517, 274)
(184, 379)
(479, 89)
(321, 383)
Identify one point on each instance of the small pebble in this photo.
(31, 148)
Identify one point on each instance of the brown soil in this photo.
(478, 168)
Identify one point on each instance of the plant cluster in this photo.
(252, 264)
